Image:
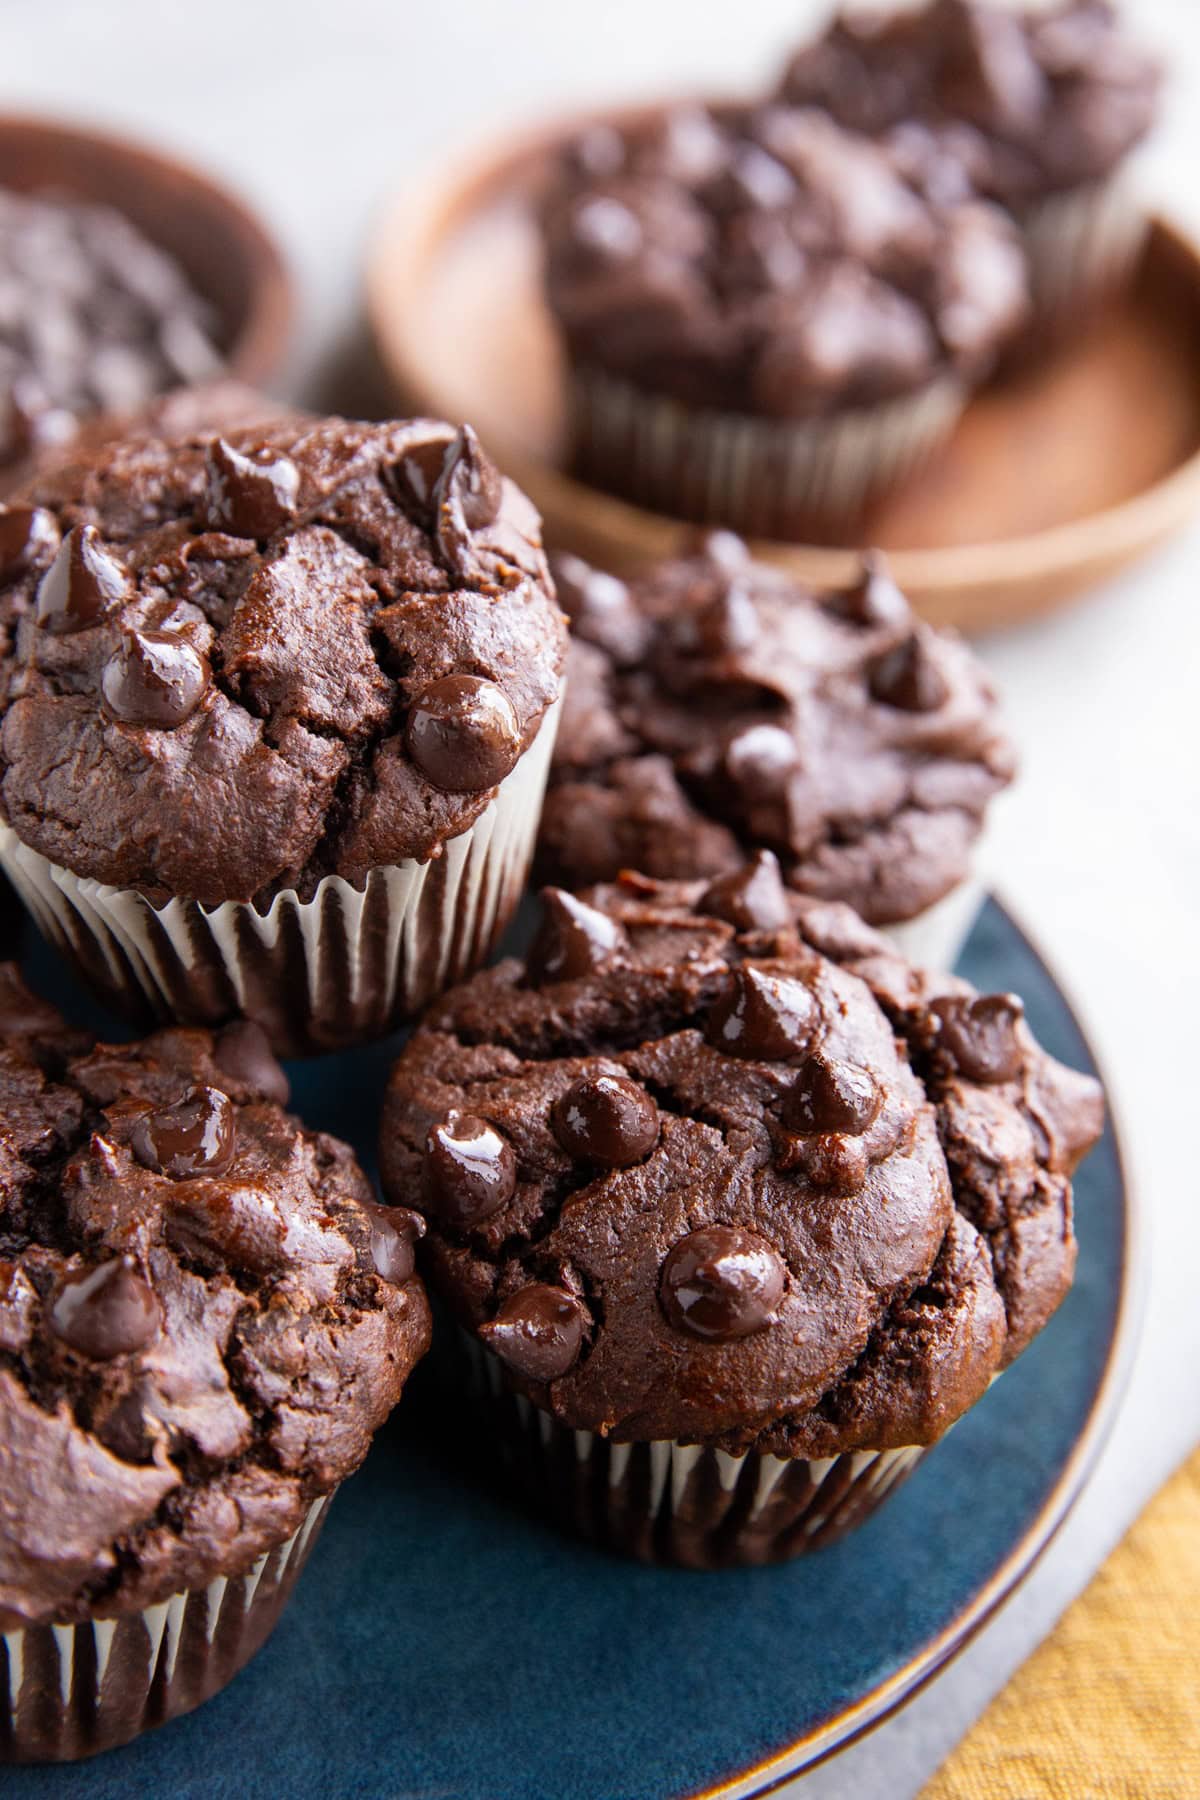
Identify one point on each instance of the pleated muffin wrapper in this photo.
(345, 966)
(1083, 246)
(760, 477)
(71, 1691)
(685, 1505)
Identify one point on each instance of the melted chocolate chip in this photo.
(28, 536)
(979, 1035)
(606, 1119)
(154, 678)
(908, 677)
(470, 1170)
(538, 1332)
(760, 760)
(108, 1312)
(467, 496)
(874, 600)
(752, 898)
(251, 494)
(829, 1095)
(244, 1051)
(83, 584)
(463, 734)
(194, 1137)
(393, 1234)
(722, 1282)
(573, 939)
(830, 1159)
(415, 475)
(764, 1016)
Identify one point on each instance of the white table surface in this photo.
(318, 111)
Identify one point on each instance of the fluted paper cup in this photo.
(345, 966)
(70, 1691)
(1082, 248)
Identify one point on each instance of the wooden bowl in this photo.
(1057, 477)
(226, 252)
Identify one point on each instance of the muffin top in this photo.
(715, 706)
(1021, 103)
(716, 1165)
(761, 259)
(203, 1315)
(237, 659)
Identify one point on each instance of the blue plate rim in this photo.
(888, 1696)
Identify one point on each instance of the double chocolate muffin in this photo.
(765, 320)
(204, 1317)
(277, 705)
(739, 1211)
(716, 707)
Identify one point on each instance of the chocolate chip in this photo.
(980, 1036)
(244, 1051)
(196, 1136)
(722, 1282)
(752, 898)
(470, 1170)
(83, 584)
(463, 734)
(538, 1332)
(830, 1095)
(467, 496)
(572, 939)
(604, 231)
(251, 494)
(725, 626)
(600, 608)
(830, 1159)
(874, 600)
(909, 678)
(28, 538)
(108, 1312)
(763, 1016)
(393, 1234)
(154, 678)
(606, 1119)
(751, 181)
(760, 759)
(415, 475)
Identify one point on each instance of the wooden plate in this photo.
(1055, 480)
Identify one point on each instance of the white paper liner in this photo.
(758, 476)
(345, 966)
(1082, 247)
(69, 1691)
(936, 938)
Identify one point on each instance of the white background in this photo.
(318, 112)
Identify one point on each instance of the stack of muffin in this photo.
(733, 1207)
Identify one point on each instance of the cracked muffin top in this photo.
(761, 259)
(715, 706)
(204, 1316)
(715, 1164)
(237, 658)
(1016, 102)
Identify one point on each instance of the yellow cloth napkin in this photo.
(1109, 1707)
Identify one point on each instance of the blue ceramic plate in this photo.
(442, 1644)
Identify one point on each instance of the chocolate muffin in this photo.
(277, 704)
(1037, 109)
(204, 1317)
(716, 707)
(765, 321)
(739, 1212)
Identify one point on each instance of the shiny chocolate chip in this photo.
(538, 1331)
(606, 1119)
(83, 584)
(600, 607)
(874, 600)
(760, 759)
(463, 734)
(722, 1282)
(604, 231)
(244, 1052)
(251, 494)
(572, 939)
(28, 538)
(752, 898)
(467, 496)
(196, 1136)
(908, 678)
(110, 1311)
(414, 475)
(751, 180)
(831, 1095)
(832, 1160)
(394, 1231)
(763, 1016)
(470, 1170)
(154, 678)
(979, 1034)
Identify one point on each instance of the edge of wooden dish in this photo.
(977, 587)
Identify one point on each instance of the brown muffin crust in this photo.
(715, 707)
(762, 1187)
(220, 644)
(204, 1317)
